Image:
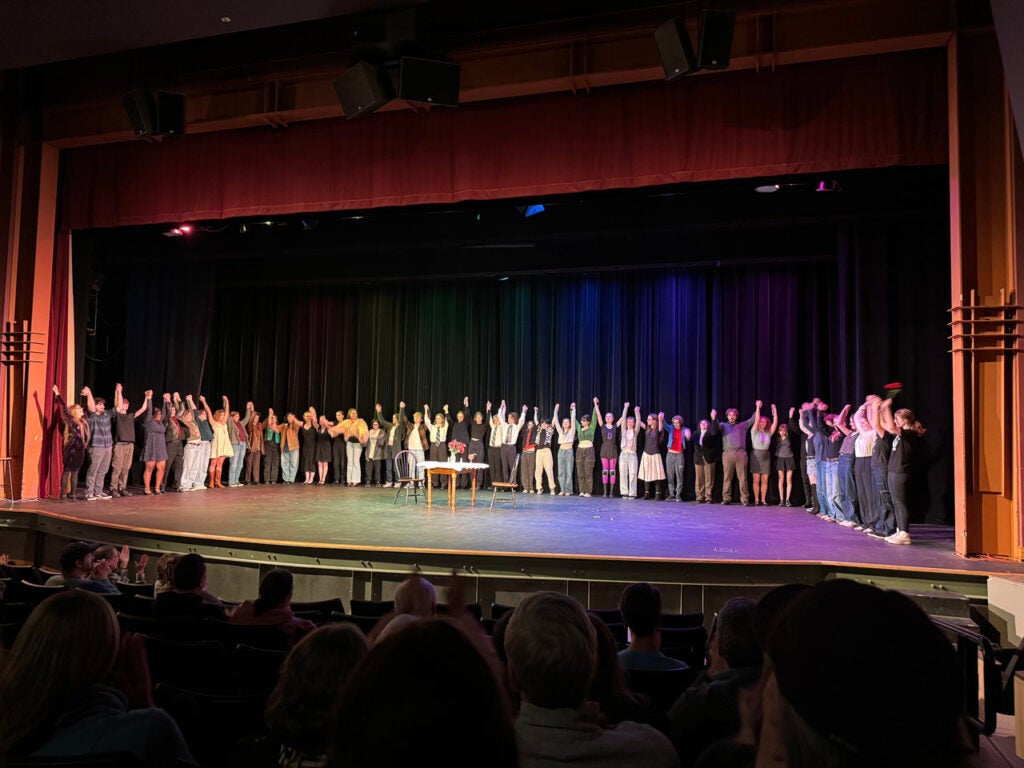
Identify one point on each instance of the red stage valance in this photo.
(855, 113)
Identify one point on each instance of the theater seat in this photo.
(371, 607)
(661, 686)
(109, 760)
(212, 723)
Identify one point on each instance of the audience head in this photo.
(424, 695)
(76, 560)
(165, 567)
(640, 606)
(299, 709)
(49, 668)
(416, 596)
(771, 606)
(190, 573)
(106, 552)
(733, 642)
(275, 591)
(552, 650)
(844, 646)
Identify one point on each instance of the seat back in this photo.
(105, 760)
(682, 620)
(371, 607)
(607, 615)
(256, 636)
(323, 608)
(662, 686)
(135, 588)
(167, 627)
(500, 609)
(257, 669)
(405, 466)
(19, 572)
(28, 592)
(687, 645)
(201, 665)
(365, 623)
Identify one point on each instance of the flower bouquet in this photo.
(455, 450)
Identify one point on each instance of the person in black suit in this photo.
(707, 452)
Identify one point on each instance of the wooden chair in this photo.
(511, 485)
(405, 467)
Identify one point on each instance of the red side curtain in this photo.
(828, 116)
(51, 457)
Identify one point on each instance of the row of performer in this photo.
(845, 459)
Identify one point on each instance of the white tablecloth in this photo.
(451, 465)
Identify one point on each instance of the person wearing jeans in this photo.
(238, 434)
(566, 435)
(101, 445)
(629, 464)
(289, 432)
(675, 464)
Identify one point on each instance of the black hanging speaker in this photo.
(675, 49)
(361, 90)
(429, 80)
(715, 43)
(155, 113)
(141, 110)
(170, 113)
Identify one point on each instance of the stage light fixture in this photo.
(503, 278)
(533, 210)
(767, 189)
(828, 186)
(186, 229)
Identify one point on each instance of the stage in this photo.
(547, 538)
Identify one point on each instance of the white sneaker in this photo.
(104, 496)
(90, 498)
(900, 537)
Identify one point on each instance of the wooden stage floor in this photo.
(336, 518)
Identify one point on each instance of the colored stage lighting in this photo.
(533, 210)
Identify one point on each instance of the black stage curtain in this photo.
(838, 325)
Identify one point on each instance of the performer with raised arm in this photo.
(272, 457)
(437, 431)
(124, 443)
(846, 485)
(652, 470)
(586, 428)
(174, 439)
(101, 445)
(785, 459)
(545, 460)
(566, 435)
(628, 460)
(509, 441)
(376, 450)
(863, 447)
(677, 437)
(356, 434)
(416, 438)
(881, 451)
(239, 436)
(609, 453)
(761, 460)
(460, 432)
(154, 450)
(323, 449)
(307, 445)
(906, 431)
(76, 437)
(734, 454)
(494, 441)
(392, 444)
(528, 458)
(810, 465)
(256, 448)
(707, 452)
(477, 441)
(196, 453)
(220, 445)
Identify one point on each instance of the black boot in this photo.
(647, 491)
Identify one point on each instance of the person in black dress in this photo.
(323, 449)
(76, 436)
(307, 445)
(460, 432)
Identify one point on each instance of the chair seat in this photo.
(504, 485)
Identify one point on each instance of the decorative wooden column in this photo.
(987, 339)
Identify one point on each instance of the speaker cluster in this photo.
(155, 113)
(714, 44)
(366, 87)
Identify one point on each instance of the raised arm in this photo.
(621, 423)
(147, 406)
(401, 413)
(804, 422)
(885, 414)
(572, 419)
(842, 423)
(117, 396)
(249, 411)
(775, 420)
(756, 418)
(661, 421)
(502, 410)
(555, 421)
(90, 403)
(206, 407)
(63, 406)
(596, 419)
(165, 407)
